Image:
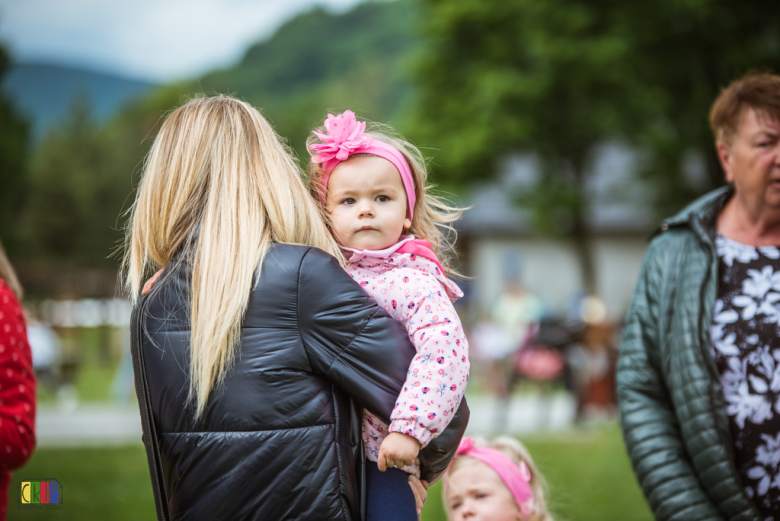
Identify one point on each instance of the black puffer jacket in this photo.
(280, 439)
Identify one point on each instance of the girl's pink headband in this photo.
(517, 479)
(344, 136)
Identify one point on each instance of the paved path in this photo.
(89, 424)
(110, 424)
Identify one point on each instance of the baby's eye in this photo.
(481, 495)
(348, 200)
(382, 198)
(455, 505)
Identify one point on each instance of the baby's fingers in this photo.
(382, 462)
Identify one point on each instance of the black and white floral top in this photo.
(746, 350)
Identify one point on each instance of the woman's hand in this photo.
(420, 490)
(150, 283)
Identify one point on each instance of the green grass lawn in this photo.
(588, 473)
(106, 484)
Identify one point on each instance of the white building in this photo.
(495, 234)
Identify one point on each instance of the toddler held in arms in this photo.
(372, 186)
(494, 481)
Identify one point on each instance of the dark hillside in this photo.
(44, 92)
(319, 61)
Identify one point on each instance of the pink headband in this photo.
(344, 137)
(515, 478)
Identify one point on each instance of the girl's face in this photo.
(476, 493)
(367, 203)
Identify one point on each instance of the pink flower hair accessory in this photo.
(516, 478)
(344, 136)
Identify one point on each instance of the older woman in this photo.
(258, 349)
(699, 376)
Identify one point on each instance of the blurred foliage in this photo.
(84, 172)
(475, 79)
(321, 61)
(13, 161)
(500, 77)
(683, 53)
(81, 183)
(557, 78)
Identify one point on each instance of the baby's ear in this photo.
(407, 223)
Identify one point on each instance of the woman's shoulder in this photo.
(284, 251)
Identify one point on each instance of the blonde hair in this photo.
(433, 214)
(8, 274)
(219, 185)
(516, 452)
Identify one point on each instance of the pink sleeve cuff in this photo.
(414, 429)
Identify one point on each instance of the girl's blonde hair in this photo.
(219, 186)
(516, 452)
(433, 214)
(8, 274)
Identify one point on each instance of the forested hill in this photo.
(82, 173)
(320, 60)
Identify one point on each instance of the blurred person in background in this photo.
(257, 345)
(494, 481)
(699, 372)
(17, 383)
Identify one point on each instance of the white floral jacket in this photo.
(414, 291)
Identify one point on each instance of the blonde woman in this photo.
(17, 382)
(259, 349)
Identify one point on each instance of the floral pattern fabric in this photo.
(413, 291)
(746, 349)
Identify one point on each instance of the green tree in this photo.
(501, 77)
(683, 53)
(73, 203)
(13, 165)
(83, 178)
(561, 77)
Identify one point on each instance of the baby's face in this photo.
(476, 493)
(367, 203)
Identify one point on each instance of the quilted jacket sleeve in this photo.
(650, 427)
(348, 338)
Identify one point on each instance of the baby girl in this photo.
(373, 187)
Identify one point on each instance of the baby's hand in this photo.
(397, 450)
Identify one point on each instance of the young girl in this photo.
(494, 481)
(372, 187)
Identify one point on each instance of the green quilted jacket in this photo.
(672, 407)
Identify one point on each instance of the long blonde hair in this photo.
(433, 214)
(516, 452)
(8, 274)
(219, 185)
